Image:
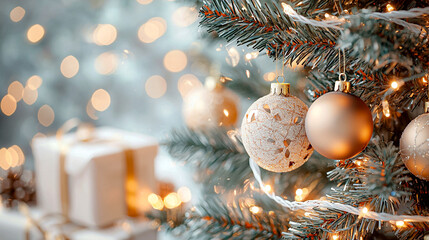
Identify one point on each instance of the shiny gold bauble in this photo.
(414, 146)
(339, 125)
(273, 131)
(209, 107)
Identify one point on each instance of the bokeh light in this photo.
(155, 201)
(175, 61)
(187, 83)
(11, 157)
(69, 66)
(100, 100)
(21, 156)
(91, 111)
(3, 159)
(106, 63)
(172, 200)
(269, 76)
(185, 16)
(184, 194)
(104, 34)
(144, 2)
(17, 14)
(35, 33)
(153, 29)
(30, 95)
(16, 90)
(156, 86)
(34, 82)
(46, 115)
(8, 105)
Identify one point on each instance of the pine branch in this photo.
(384, 46)
(266, 27)
(252, 87)
(374, 179)
(217, 158)
(215, 220)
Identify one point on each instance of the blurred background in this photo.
(125, 64)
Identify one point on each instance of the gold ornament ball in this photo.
(339, 125)
(210, 107)
(273, 133)
(414, 146)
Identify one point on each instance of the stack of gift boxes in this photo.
(93, 185)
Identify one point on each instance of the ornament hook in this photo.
(342, 84)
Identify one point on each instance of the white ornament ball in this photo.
(414, 146)
(273, 131)
(211, 106)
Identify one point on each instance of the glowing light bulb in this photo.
(255, 209)
(335, 237)
(288, 9)
(424, 80)
(386, 110)
(400, 223)
(394, 85)
(299, 192)
(365, 210)
(267, 188)
(390, 8)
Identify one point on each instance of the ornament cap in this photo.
(427, 107)
(281, 89)
(342, 86)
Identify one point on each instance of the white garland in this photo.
(310, 204)
(393, 16)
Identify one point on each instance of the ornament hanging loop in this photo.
(342, 84)
(281, 77)
(342, 77)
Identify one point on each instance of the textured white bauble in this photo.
(414, 146)
(211, 106)
(273, 131)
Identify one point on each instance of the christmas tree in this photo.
(364, 181)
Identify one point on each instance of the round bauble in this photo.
(339, 125)
(273, 131)
(210, 106)
(414, 146)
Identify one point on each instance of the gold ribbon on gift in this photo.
(85, 134)
(131, 184)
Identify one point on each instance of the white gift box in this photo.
(15, 226)
(105, 178)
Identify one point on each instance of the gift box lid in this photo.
(104, 141)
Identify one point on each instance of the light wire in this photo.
(310, 204)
